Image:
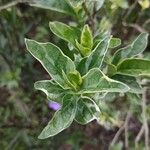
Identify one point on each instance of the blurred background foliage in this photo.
(24, 111)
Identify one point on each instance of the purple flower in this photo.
(54, 105)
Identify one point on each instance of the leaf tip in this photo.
(51, 23)
(27, 41)
(41, 137)
(36, 85)
(44, 134)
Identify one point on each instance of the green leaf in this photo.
(75, 3)
(83, 50)
(52, 59)
(111, 69)
(86, 111)
(100, 37)
(134, 67)
(95, 81)
(114, 42)
(95, 59)
(137, 47)
(86, 37)
(75, 78)
(55, 5)
(86, 41)
(65, 32)
(52, 90)
(69, 83)
(95, 96)
(109, 97)
(62, 118)
(130, 81)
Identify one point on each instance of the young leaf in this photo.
(86, 37)
(137, 47)
(55, 5)
(95, 81)
(52, 90)
(69, 83)
(62, 118)
(65, 32)
(86, 41)
(85, 111)
(95, 59)
(75, 78)
(52, 59)
(134, 67)
(83, 50)
(75, 3)
(130, 81)
(114, 42)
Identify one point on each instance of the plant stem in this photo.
(91, 17)
(135, 26)
(117, 135)
(138, 137)
(121, 129)
(145, 123)
(126, 129)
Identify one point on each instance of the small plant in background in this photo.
(79, 84)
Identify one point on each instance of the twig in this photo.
(146, 22)
(91, 17)
(86, 10)
(145, 123)
(117, 135)
(131, 8)
(121, 129)
(136, 26)
(126, 129)
(138, 137)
